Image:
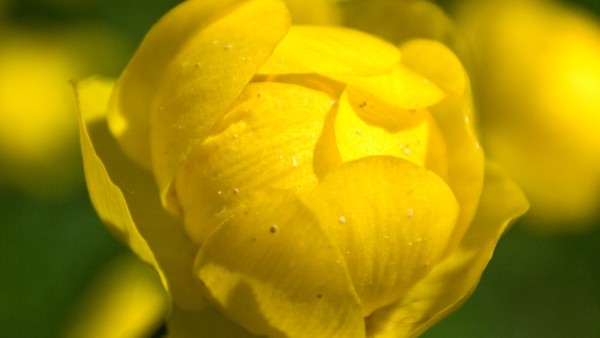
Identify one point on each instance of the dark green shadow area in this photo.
(48, 254)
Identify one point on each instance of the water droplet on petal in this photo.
(274, 228)
(342, 219)
(410, 212)
(294, 162)
(236, 191)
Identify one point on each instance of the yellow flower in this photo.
(538, 78)
(38, 131)
(124, 300)
(294, 181)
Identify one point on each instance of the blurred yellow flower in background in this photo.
(38, 128)
(124, 300)
(294, 181)
(537, 79)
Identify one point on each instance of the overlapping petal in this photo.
(391, 220)
(367, 126)
(266, 140)
(129, 113)
(275, 271)
(452, 280)
(210, 60)
(337, 51)
(454, 117)
(127, 200)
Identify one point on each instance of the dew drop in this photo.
(228, 46)
(274, 228)
(410, 212)
(236, 191)
(342, 219)
(294, 162)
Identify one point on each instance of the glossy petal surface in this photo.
(126, 198)
(275, 272)
(454, 118)
(390, 218)
(265, 141)
(336, 51)
(131, 103)
(452, 280)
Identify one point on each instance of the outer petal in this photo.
(330, 50)
(454, 118)
(453, 279)
(391, 220)
(276, 272)
(266, 140)
(126, 198)
(211, 61)
(129, 113)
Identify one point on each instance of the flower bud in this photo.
(319, 181)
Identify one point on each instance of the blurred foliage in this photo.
(51, 248)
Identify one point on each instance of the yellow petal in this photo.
(126, 199)
(391, 220)
(205, 322)
(275, 272)
(265, 141)
(366, 126)
(126, 299)
(454, 118)
(400, 87)
(210, 61)
(129, 113)
(453, 279)
(330, 50)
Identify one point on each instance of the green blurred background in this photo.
(52, 243)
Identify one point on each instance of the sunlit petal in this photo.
(266, 140)
(126, 199)
(453, 279)
(336, 51)
(275, 271)
(391, 220)
(454, 117)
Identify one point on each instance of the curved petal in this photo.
(210, 59)
(366, 126)
(330, 50)
(205, 322)
(131, 103)
(391, 220)
(400, 87)
(454, 118)
(126, 199)
(276, 273)
(266, 140)
(453, 279)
